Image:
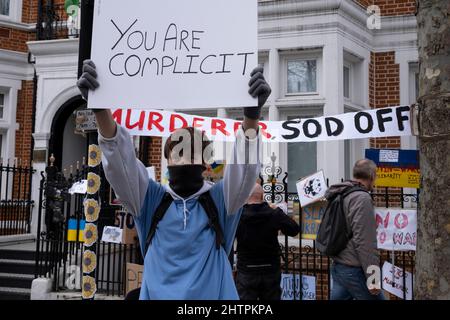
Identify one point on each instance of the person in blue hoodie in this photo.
(183, 261)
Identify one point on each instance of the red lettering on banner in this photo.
(117, 116)
(196, 122)
(139, 124)
(219, 125)
(379, 220)
(264, 132)
(237, 125)
(173, 118)
(401, 221)
(155, 119)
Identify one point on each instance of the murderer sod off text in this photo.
(137, 53)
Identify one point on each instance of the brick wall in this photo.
(384, 90)
(391, 7)
(154, 157)
(24, 119)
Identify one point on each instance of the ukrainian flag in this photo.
(72, 230)
(217, 167)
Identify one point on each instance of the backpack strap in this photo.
(210, 208)
(157, 217)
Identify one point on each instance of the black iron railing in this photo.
(59, 256)
(55, 21)
(15, 198)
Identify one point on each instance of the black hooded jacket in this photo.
(258, 249)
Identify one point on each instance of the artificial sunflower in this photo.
(91, 210)
(95, 156)
(89, 261)
(90, 234)
(93, 183)
(89, 287)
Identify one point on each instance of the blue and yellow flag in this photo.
(72, 230)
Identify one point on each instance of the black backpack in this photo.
(334, 232)
(210, 208)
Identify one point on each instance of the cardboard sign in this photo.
(398, 177)
(125, 221)
(311, 188)
(394, 283)
(290, 285)
(396, 168)
(354, 125)
(133, 278)
(112, 234)
(172, 54)
(311, 219)
(396, 229)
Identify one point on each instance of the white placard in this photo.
(353, 125)
(311, 188)
(112, 234)
(394, 283)
(290, 285)
(396, 229)
(389, 155)
(79, 187)
(172, 54)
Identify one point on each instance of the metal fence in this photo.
(59, 257)
(300, 256)
(15, 198)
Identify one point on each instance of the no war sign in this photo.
(384, 122)
(171, 54)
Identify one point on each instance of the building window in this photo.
(347, 82)
(4, 7)
(2, 104)
(302, 76)
(302, 161)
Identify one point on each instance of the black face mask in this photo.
(186, 180)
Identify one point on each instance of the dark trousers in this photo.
(259, 286)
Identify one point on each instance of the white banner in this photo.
(386, 122)
(396, 229)
(290, 285)
(394, 283)
(172, 54)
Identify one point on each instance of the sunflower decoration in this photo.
(89, 287)
(89, 261)
(93, 183)
(90, 234)
(95, 156)
(91, 210)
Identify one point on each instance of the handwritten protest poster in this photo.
(112, 234)
(396, 229)
(171, 54)
(311, 219)
(290, 286)
(133, 277)
(311, 188)
(394, 283)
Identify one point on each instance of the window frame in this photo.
(15, 11)
(349, 66)
(297, 55)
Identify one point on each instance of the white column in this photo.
(331, 154)
(41, 144)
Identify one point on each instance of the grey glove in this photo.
(258, 88)
(88, 80)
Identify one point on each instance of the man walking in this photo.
(258, 250)
(350, 269)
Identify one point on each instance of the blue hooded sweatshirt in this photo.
(182, 262)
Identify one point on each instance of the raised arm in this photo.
(241, 174)
(126, 174)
